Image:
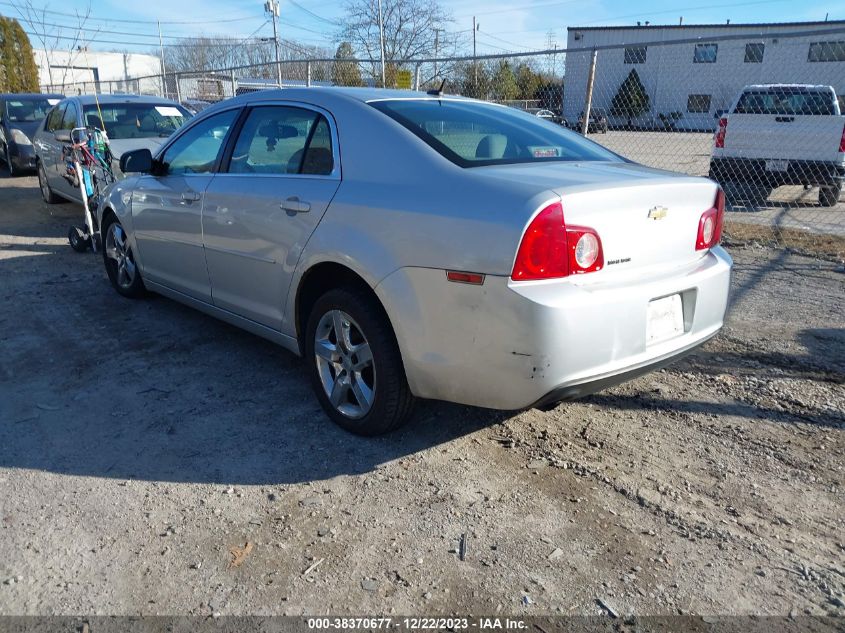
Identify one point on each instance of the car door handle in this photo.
(190, 196)
(295, 205)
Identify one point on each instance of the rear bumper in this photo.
(753, 170)
(506, 345)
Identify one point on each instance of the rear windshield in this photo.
(28, 110)
(136, 120)
(786, 101)
(472, 134)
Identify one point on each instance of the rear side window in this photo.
(473, 134)
(283, 140)
(786, 101)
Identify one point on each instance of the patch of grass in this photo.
(824, 246)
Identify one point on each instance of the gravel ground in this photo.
(156, 461)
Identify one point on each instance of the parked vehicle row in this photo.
(421, 246)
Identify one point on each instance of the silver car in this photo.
(131, 122)
(422, 246)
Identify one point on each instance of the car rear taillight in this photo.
(550, 250)
(710, 224)
(842, 142)
(721, 132)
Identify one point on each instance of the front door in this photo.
(261, 209)
(167, 208)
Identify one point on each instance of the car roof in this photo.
(29, 96)
(112, 99)
(313, 93)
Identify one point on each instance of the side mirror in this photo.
(137, 161)
(63, 136)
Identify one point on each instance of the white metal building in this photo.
(71, 71)
(700, 74)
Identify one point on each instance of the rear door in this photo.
(261, 210)
(167, 208)
(59, 182)
(784, 123)
(48, 148)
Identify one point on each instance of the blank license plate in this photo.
(777, 165)
(664, 319)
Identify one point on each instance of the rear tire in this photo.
(46, 193)
(358, 376)
(829, 196)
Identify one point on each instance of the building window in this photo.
(635, 54)
(754, 53)
(705, 53)
(698, 104)
(826, 52)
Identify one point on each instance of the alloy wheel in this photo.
(345, 364)
(118, 250)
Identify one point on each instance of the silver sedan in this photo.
(415, 245)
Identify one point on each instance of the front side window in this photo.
(196, 151)
(754, 53)
(473, 134)
(54, 119)
(698, 103)
(283, 140)
(635, 54)
(69, 121)
(705, 53)
(136, 120)
(826, 52)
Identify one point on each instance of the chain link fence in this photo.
(726, 107)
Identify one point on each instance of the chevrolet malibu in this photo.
(414, 245)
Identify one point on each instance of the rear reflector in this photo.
(465, 278)
(842, 142)
(721, 132)
(710, 224)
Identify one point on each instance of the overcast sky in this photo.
(516, 25)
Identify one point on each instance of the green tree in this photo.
(503, 83)
(345, 73)
(631, 99)
(471, 80)
(550, 95)
(16, 57)
(528, 81)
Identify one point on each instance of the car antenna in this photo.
(436, 92)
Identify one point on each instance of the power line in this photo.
(314, 15)
(76, 15)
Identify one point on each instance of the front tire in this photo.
(119, 260)
(829, 196)
(46, 193)
(354, 362)
(9, 164)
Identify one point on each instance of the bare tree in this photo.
(71, 37)
(413, 29)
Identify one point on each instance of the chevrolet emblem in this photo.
(658, 213)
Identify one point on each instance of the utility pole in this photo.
(436, 49)
(381, 44)
(475, 27)
(163, 72)
(272, 7)
(588, 99)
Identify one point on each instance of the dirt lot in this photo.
(141, 441)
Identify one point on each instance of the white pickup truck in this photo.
(781, 134)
